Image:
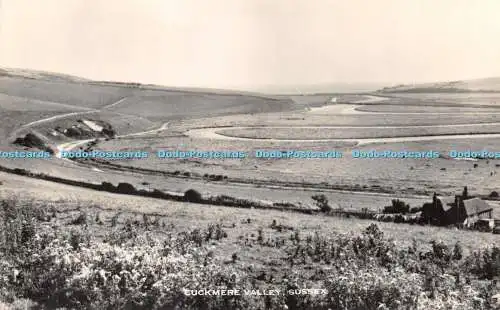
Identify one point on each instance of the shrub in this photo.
(192, 195)
(107, 186)
(126, 188)
(416, 209)
(397, 206)
(457, 252)
(77, 238)
(18, 226)
(322, 203)
(372, 289)
(441, 251)
(82, 219)
(485, 264)
(398, 219)
(109, 132)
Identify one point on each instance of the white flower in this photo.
(84, 273)
(66, 259)
(102, 274)
(15, 273)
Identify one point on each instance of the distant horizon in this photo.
(331, 87)
(251, 44)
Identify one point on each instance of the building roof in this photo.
(476, 206)
(447, 202)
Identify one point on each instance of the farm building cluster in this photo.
(460, 210)
(456, 210)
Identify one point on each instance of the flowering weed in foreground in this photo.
(134, 268)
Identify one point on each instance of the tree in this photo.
(465, 194)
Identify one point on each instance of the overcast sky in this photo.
(244, 43)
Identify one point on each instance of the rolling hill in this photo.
(463, 86)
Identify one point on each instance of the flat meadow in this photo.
(441, 174)
(301, 133)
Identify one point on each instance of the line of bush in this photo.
(190, 195)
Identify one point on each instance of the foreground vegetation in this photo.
(88, 258)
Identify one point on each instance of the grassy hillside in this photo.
(161, 102)
(39, 75)
(476, 85)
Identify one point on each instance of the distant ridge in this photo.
(268, 91)
(40, 75)
(491, 84)
(67, 78)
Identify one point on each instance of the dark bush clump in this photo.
(106, 186)
(126, 188)
(416, 209)
(398, 219)
(192, 195)
(110, 132)
(322, 203)
(398, 206)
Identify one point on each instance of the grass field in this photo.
(481, 98)
(12, 120)
(77, 94)
(441, 175)
(340, 115)
(13, 103)
(427, 109)
(164, 106)
(301, 133)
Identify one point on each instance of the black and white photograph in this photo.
(250, 154)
